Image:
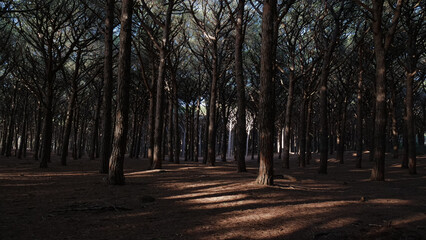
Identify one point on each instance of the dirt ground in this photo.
(194, 201)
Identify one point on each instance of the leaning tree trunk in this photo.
(267, 94)
(107, 88)
(116, 175)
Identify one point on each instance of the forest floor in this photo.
(194, 201)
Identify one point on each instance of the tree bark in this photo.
(309, 134)
(158, 131)
(11, 128)
(37, 133)
(24, 130)
(342, 133)
(116, 175)
(302, 133)
(267, 95)
(287, 121)
(95, 136)
(170, 130)
(68, 124)
(197, 131)
(359, 115)
(211, 143)
(107, 88)
(240, 145)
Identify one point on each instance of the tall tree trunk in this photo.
(151, 122)
(38, 131)
(342, 133)
(323, 129)
(24, 130)
(302, 133)
(4, 136)
(411, 134)
(176, 124)
(116, 175)
(267, 94)
(170, 130)
(186, 133)
(95, 136)
(394, 127)
(68, 124)
(107, 88)
(206, 135)
(309, 134)
(240, 145)
(11, 128)
(211, 143)
(359, 115)
(287, 121)
(75, 134)
(225, 142)
(197, 130)
(48, 112)
(158, 131)
(81, 140)
(380, 120)
(381, 45)
(191, 130)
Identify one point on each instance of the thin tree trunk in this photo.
(211, 143)
(411, 134)
(95, 136)
(359, 115)
(24, 130)
(302, 133)
(197, 132)
(287, 121)
(170, 130)
(309, 134)
(176, 124)
(11, 128)
(38, 131)
(394, 127)
(68, 124)
(342, 133)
